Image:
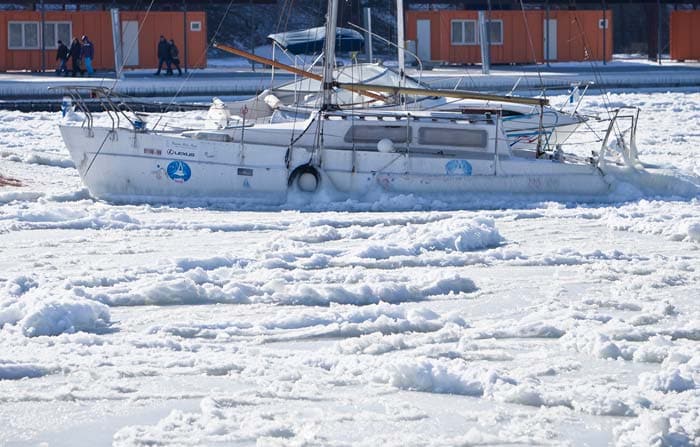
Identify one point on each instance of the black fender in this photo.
(304, 169)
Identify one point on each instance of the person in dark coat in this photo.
(175, 57)
(75, 53)
(62, 58)
(88, 53)
(164, 56)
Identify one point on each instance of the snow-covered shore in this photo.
(234, 77)
(398, 321)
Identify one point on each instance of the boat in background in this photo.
(529, 125)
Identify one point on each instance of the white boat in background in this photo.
(527, 125)
(352, 150)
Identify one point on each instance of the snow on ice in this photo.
(400, 320)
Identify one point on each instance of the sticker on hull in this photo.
(458, 167)
(179, 171)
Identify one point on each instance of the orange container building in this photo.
(685, 35)
(21, 35)
(516, 36)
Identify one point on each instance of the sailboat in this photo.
(354, 151)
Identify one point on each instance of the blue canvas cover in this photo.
(311, 40)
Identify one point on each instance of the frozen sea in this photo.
(396, 321)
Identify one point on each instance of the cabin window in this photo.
(196, 26)
(23, 35)
(372, 134)
(464, 32)
(55, 31)
(439, 136)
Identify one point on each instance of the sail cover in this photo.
(311, 40)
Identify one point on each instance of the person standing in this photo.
(175, 57)
(164, 55)
(62, 57)
(88, 53)
(75, 53)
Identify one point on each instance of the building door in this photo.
(550, 40)
(423, 38)
(130, 43)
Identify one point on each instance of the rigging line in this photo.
(133, 44)
(284, 15)
(598, 75)
(532, 49)
(98, 152)
(592, 130)
(445, 25)
(199, 60)
(594, 68)
(539, 75)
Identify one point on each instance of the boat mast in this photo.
(401, 40)
(329, 52)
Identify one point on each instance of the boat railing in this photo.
(624, 120)
(110, 102)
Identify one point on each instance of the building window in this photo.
(496, 32)
(23, 35)
(465, 32)
(55, 31)
(603, 23)
(195, 26)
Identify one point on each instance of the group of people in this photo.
(80, 51)
(83, 50)
(169, 55)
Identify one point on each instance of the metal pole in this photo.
(117, 40)
(367, 21)
(400, 37)
(272, 67)
(41, 36)
(488, 31)
(484, 41)
(184, 29)
(369, 30)
(546, 35)
(605, 31)
(658, 31)
(252, 31)
(329, 52)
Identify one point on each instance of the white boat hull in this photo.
(123, 165)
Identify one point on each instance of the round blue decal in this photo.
(458, 167)
(179, 171)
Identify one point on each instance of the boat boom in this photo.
(463, 94)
